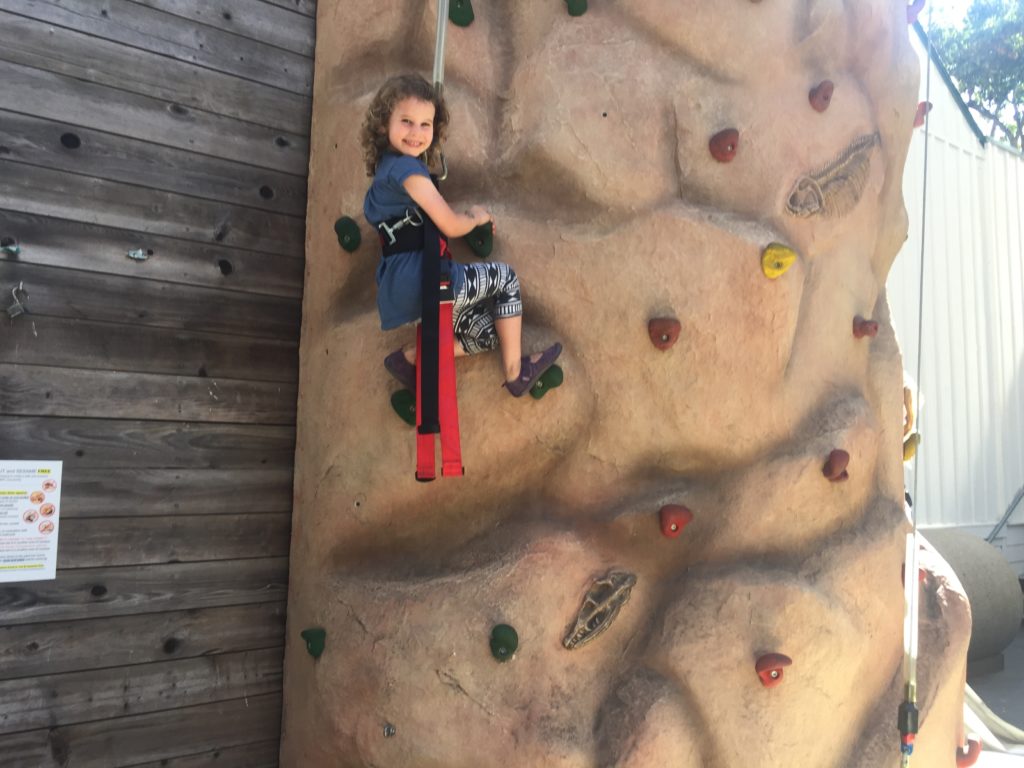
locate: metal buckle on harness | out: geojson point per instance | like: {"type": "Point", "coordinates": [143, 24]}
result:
{"type": "Point", "coordinates": [407, 221]}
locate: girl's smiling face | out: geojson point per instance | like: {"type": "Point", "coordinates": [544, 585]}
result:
{"type": "Point", "coordinates": [411, 126]}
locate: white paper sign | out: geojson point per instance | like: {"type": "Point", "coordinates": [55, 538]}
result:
{"type": "Point", "coordinates": [29, 519]}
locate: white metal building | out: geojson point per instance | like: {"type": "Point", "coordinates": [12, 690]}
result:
{"type": "Point", "coordinates": [971, 460]}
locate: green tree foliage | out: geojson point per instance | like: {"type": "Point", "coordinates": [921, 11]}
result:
{"type": "Point", "coordinates": [986, 59]}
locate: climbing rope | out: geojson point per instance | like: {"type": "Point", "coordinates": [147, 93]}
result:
{"type": "Point", "coordinates": [439, 43]}
{"type": "Point", "coordinates": [908, 712]}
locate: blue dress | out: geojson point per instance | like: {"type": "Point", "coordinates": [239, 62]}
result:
{"type": "Point", "coordinates": [399, 276]}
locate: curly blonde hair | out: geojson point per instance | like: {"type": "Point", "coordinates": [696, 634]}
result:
{"type": "Point", "coordinates": [374, 134]}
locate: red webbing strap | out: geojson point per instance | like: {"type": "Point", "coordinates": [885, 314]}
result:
{"type": "Point", "coordinates": [443, 391]}
{"type": "Point", "coordinates": [447, 402]}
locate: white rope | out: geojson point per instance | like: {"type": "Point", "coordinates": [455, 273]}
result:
{"type": "Point", "coordinates": [439, 43]}
{"type": "Point", "coordinates": [912, 589]}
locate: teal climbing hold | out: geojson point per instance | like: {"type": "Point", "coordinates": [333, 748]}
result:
{"type": "Point", "coordinates": [315, 638]}
{"type": "Point", "coordinates": [460, 12]}
{"type": "Point", "coordinates": [404, 403]}
{"type": "Point", "coordinates": [348, 233]}
{"type": "Point", "coordinates": [577, 7]}
{"type": "Point", "coordinates": [504, 642]}
{"type": "Point", "coordinates": [9, 246]}
{"type": "Point", "coordinates": [481, 240]}
{"type": "Point", "coordinates": [552, 378]}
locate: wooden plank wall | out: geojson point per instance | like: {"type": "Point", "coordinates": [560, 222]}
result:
{"type": "Point", "coordinates": [178, 128]}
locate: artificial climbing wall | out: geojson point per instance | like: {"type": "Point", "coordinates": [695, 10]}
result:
{"type": "Point", "coordinates": [153, 174]}
{"type": "Point", "coordinates": [698, 538]}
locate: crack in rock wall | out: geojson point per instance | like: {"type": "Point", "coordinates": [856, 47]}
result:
{"type": "Point", "coordinates": [697, 539]}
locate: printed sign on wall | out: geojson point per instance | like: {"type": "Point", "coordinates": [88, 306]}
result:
{"type": "Point", "coordinates": [29, 519]}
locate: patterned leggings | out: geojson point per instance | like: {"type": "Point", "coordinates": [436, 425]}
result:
{"type": "Point", "coordinates": [491, 291]}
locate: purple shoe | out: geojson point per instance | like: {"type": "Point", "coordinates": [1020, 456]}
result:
{"type": "Point", "coordinates": [530, 371]}
{"type": "Point", "coordinates": [401, 369]}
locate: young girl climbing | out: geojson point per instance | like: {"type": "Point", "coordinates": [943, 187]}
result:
{"type": "Point", "coordinates": [403, 131]}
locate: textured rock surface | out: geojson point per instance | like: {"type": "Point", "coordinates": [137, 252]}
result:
{"type": "Point", "coordinates": [590, 138]}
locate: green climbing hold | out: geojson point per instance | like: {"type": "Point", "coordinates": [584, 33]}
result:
{"type": "Point", "coordinates": [348, 233]}
{"type": "Point", "coordinates": [504, 642]}
{"type": "Point", "coordinates": [577, 7]}
{"type": "Point", "coordinates": [404, 403]}
{"type": "Point", "coordinates": [315, 638]}
{"type": "Point", "coordinates": [552, 378]}
{"type": "Point", "coordinates": [461, 13]}
{"type": "Point", "coordinates": [481, 240]}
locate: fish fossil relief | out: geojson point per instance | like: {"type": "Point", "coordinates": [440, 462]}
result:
{"type": "Point", "coordinates": [836, 187]}
{"type": "Point", "coordinates": [601, 605]}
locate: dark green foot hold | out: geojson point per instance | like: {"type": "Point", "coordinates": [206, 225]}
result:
{"type": "Point", "coordinates": [577, 7]}
{"type": "Point", "coordinates": [552, 378]}
{"type": "Point", "coordinates": [315, 638]}
{"type": "Point", "coordinates": [481, 240]}
{"type": "Point", "coordinates": [404, 403]}
{"type": "Point", "coordinates": [461, 13]}
{"type": "Point", "coordinates": [348, 233]}
{"type": "Point", "coordinates": [504, 642]}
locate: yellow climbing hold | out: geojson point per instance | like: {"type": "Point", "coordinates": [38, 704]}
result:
{"type": "Point", "coordinates": [910, 445]}
{"type": "Point", "coordinates": [776, 259]}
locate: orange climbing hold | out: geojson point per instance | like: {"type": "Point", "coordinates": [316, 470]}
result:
{"type": "Point", "coordinates": [914, 10]}
{"type": "Point", "coordinates": [664, 332]}
{"type": "Point", "coordinates": [835, 466]}
{"type": "Point", "coordinates": [922, 109]}
{"type": "Point", "coordinates": [769, 668]}
{"type": "Point", "coordinates": [862, 328]}
{"type": "Point", "coordinates": [674, 517]}
{"type": "Point", "coordinates": [723, 145]}
{"type": "Point", "coordinates": [821, 95]}
{"type": "Point", "coordinates": [972, 753]}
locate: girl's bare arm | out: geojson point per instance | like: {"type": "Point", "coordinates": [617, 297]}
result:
{"type": "Point", "coordinates": [452, 224]}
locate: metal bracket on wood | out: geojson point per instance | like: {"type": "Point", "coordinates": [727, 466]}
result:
{"type": "Point", "coordinates": [17, 306]}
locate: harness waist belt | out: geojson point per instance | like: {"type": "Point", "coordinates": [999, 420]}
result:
{"type": "Point", "coordinates": [401, 234]}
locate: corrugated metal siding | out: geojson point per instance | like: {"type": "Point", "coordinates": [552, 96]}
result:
{"type": "Point", "coordinates": [972, 380]}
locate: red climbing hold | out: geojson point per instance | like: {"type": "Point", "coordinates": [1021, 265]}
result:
{"type": "Point", "coordinates": [674, 517]}
{"type": "Point", "coordinates": [914, 10]}
{"type": "Point", "coordinates": [769, 668]}
{"type": "Point", "coordinates": [821, 95]}
{"type": "Point", "coordinates": [862, 328]}
{"type": "Point", "coordinates": [972, 753]}
{"type": "Point", "coordinates": [835, 467]}
{"type": "Point", "coordinates": [922, 109]}
{"type": "Point", "coordinates": [664, 332]}
{"type": "Point", "coordinates": [922, 574]}
{"type": "Point", "coordinates": [723, 145]}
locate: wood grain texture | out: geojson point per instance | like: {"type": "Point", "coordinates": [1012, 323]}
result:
{"type": "Point", "coordinates": [263, 754]}
{"type": "Point", "coordinates": [306, 7]}
{"type": "Point", "coordinates": [58, 146]}
{"type": "Point", "coordinates": [136, 739]}
{"type": "Point", "coordinates": [27, 42]}
{"type": "Point", "coordinates": [85, 104]}
{"type": "Point", "coordinates": [157, 492]}
{"type": "Point", "coordinates": [135, 689]}
{"type": "Point", "coordinates": [93, 593]}
{"type": "Point", "coordinates": [287, 24]}
{"type": "Point", "coordinates": [41, 340]}
{"type": "Point", "coordinates": [120, 541]}
{"type": "Point", "coordinates": [29, 390]}
{"type": "Point", "coordinates": [90, 296]}
{"type": "Point", "coordinates": [47, 192]}
{"type": "Point", "coordinates": [51, 648]}
{"type": "Point", "coordinates": [93, 248]}
{"type": "Point", "coordinates": [94, 443]}
{"type": "Point", "coordinates": [179, 37]}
